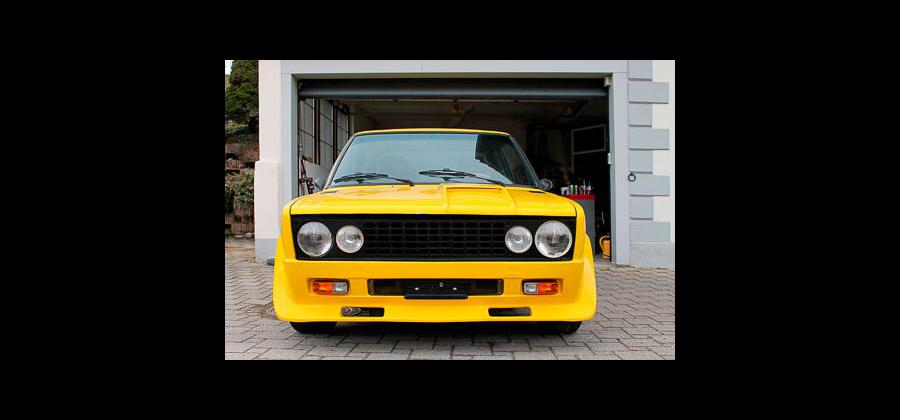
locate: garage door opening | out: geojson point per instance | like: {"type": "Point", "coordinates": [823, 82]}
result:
{"type": "Point", "coordinates": [561, 124]}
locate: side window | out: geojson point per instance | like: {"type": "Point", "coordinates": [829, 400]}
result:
{"type": "Point", "coordinates": [326, 133]}
{"type": "Point", "coordinates": [308, 129]}
{"type": "Point", "coordinates": [343, 130]}
{"type": "Point", "coordinates": [323, 130]}
{"type": "Point", "coordinates": [499, 154]}
{"type": "Point", "coordinates": [517, 168]}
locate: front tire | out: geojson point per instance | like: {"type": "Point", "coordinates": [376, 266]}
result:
{"type": "Point", "coordinates": [313, 327]}
{"type": "Point", "coordinates": [562, 327]}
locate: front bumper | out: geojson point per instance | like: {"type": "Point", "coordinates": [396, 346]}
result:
{"type": "Point", "coordinates": [294, 301]}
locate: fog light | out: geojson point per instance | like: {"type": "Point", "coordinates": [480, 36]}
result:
{"type": "Point", "coordinates": [543, 287]}
{"type": "Point", "coordinates": [330, 287]}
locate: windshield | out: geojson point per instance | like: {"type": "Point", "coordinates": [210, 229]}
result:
{"type": "Point", "coordinates": [443, 157]}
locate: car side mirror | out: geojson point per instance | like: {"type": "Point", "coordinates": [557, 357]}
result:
{"type": "Point", "coordinates": [546, 184]}
{"type": "Point", "coordinates": [318, 183]}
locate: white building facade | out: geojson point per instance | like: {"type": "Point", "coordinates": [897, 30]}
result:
{"type": "Point", "coordinates": [641, 136]}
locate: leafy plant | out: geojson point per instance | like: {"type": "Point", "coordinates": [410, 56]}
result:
{"type": "Point", "coordinates": [241, 186]}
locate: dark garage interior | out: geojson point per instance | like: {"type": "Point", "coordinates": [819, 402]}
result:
{"type": "Point", "coordinates": [562, 124]}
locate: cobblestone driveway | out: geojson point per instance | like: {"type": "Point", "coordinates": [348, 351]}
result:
{"type": "Point", "coordinates": [636, 320]}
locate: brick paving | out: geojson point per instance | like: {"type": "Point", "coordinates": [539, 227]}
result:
{"type": "Point", "coordinates": [636, 321]}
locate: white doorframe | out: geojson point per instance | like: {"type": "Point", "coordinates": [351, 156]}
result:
{"type": "Point", "coordinates": [618, 169]}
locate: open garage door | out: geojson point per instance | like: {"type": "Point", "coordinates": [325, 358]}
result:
{"type": "Point", "coordinates": [548, 89]}
{"type": "Point", "coordinates": [560, 123]}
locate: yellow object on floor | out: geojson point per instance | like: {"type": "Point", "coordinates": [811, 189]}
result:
{"type": "Point", "coordinates": [604, 246]}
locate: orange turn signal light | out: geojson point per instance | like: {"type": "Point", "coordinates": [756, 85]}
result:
{"type": "Point", "coordinates": [330, 287]}
{"type": "Point", "coordinates": [542, 287]}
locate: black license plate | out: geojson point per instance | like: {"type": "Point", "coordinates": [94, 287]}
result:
{"type": "Point", "coordinates": [436, 289]}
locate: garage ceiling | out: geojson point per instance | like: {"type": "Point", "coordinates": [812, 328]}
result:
{"type": "Point", "coordinates": [545, 89]}
{"type": "Point", "coordinates": [455, 102]}
{"type": "Point", "coordinates": [514, 110]}
{"type": "Point", "coordinates": [438, 113]}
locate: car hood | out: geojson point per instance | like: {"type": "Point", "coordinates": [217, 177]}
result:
{"type": "Point", "coordinates": [486, 199]}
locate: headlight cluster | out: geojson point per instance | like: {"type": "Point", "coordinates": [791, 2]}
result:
{"type": "Point", "coordinates": [552, 239]}
{"type": "Point", "coordinates": [314, 239]}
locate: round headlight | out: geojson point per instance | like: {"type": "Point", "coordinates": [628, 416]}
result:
{"type": "Point", "coordinates": [553, 239]}
{"type": "Point", "coordinates": [349, 239]}
{"type": "Point", "coordinates": [518, 239]}
{"type": "Point", "coordinates": [314, 239]}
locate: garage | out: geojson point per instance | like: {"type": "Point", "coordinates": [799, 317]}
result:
{"type": "Point", "coordinates": [604, 123]}
{"type": "Point", "coordinates": [561, 124]}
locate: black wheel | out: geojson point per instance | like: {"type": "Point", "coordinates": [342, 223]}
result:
{"type": "Point", "coordinates": [561, 327]}
{"type": "Point", "coordinates": [313, 327]}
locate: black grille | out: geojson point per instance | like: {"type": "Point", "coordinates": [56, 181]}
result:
{"type": "Point", "coordinates": [431, 237]}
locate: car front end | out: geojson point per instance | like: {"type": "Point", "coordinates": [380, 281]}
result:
{"type": "Point", "coordinates": [438, 252]}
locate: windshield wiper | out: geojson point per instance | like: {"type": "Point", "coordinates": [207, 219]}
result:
{"type": "Point", "coordinates": [362, 176]}
{"type": "Point", "coordinates": [448, 173]}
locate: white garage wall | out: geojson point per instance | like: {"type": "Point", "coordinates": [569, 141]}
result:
{"type": "Point", "coordinates": [664, 160]}
{"type": "Point", "coordinates": [267, 182]}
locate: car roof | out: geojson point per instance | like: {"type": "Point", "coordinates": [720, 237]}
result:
{"type": "Point", "coordinates": [430, 130]}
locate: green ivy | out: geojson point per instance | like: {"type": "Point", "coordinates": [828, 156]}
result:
{"type": "Point", "coordinates": [241, 187]}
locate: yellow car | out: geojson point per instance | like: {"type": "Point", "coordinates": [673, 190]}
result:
{"type": "Point", "coordinates": [433, 225]}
